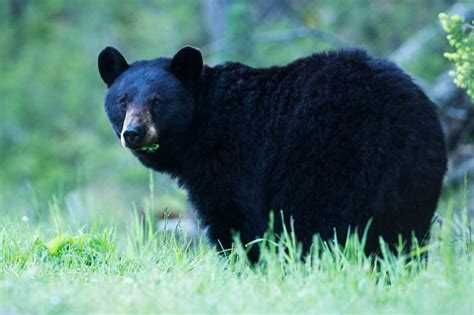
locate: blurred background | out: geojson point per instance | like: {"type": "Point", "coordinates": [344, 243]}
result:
{"type": "Point", "coordinates": [56, 145]}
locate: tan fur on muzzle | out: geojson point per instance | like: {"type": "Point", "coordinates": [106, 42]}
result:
{"type": "Point", "coordinates": [141, 117]}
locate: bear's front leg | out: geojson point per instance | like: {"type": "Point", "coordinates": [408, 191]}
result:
{"type": "Point", "coordinates": [222, 237]}
{"type": "Point", "coordinates": [226, 215]}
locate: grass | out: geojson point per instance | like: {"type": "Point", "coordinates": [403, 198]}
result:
{"type": "Point", "coordinates": [57, 265]}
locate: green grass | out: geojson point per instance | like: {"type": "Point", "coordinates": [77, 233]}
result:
{"type": "Point", "coordinates": [57, 265]}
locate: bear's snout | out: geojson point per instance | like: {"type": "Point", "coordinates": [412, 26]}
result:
{"type": "Point", "coordinates": [138, 129]}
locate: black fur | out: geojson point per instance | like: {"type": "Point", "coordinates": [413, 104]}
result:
{"type": "Point", "coordinates": [333, 140]}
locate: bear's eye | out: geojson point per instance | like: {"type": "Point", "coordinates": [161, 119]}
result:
{"type": "Point", "coordinates": [157, 100]}
{"type": "Point", "coordinates": [123, 101]}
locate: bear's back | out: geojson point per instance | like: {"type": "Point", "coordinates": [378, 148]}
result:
{"type": "Point", "coordinates": [333, 96]}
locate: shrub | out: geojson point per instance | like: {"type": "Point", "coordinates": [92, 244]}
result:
{"type": "Point", "coordinates": [461, 38]}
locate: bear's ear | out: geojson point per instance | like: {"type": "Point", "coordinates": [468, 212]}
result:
{"type": "Point", "coordinates": [111, 65]}
{"type": "Point", "coordinates": [187, 64]}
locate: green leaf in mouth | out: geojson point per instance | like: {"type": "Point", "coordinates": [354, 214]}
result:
{"type": "Point", "coordinates": [150, 148]}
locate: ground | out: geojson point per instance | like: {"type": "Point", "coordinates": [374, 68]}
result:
{"type": "Point", "coordinates": [56, 265]}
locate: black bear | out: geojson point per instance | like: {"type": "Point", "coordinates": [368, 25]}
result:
{"type": "Point", "coordinates": [332, 140]}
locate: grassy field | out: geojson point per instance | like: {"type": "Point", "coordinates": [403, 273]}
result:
{"type": "Point", "coordinates": [57, 265]}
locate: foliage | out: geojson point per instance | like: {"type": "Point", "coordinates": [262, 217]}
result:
{"type": "Point", "coordinates": [148, 270]}
{"type": "Point", "coordinates": [461, 38]}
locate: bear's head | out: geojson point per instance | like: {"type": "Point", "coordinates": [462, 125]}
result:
{"type": "Point", "coordinates": [150, 102]}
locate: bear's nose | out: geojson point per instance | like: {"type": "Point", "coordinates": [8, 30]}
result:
{"type": "Point", "coordinates": [133, 136]}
